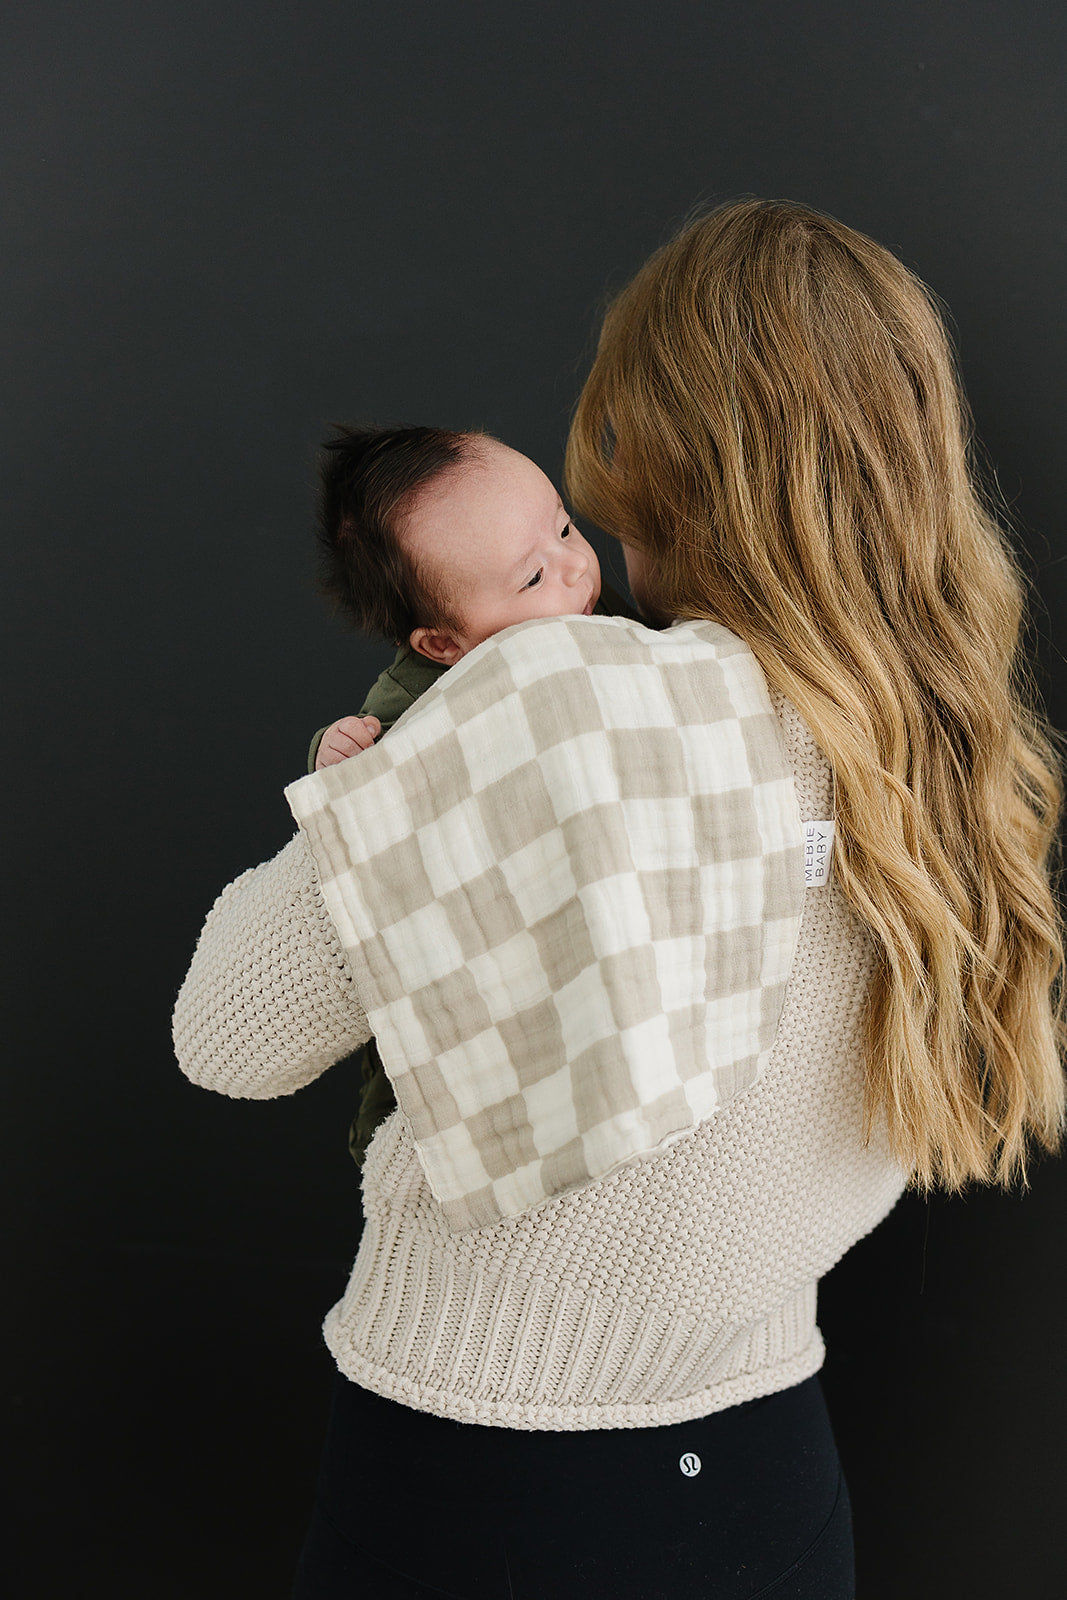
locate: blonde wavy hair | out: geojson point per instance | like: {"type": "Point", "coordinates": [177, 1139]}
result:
{"type": "Point", "coordinates": [773, 419]}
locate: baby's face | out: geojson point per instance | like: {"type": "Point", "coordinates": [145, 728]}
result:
{"type": "Point", "coordinates": [496, 533]}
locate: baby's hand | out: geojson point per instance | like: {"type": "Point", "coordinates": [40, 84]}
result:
{"type": "Point", "coordinates": [346, 738]}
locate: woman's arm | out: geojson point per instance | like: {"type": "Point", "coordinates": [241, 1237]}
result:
{"type": "Point", "coordinates": [268, 1002]}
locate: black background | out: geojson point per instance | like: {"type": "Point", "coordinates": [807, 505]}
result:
{"type": "Point", "coordinates": [225, 227]}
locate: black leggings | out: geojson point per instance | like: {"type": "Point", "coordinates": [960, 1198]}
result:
{"type": "Point", "coordinates": [747, 1502]}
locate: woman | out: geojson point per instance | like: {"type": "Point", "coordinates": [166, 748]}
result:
{"type": "Point", "coordinates": [773, 429]}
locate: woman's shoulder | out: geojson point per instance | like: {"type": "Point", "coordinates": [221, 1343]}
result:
{"type": "Point", "coordinates": [613, 672]}
{"type": "Point", "coordinates": [599, 637]}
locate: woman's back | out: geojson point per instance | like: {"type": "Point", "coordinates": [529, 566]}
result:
{"type": "Point", "coordinates": [677, 1286]}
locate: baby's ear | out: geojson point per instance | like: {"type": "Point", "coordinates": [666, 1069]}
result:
{"type": "Point", "coordinates": [438, 647]}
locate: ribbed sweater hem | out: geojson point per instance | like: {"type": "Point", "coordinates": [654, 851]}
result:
{"type": "Point", "coordinates": [619, 1352]}
{"type": "Point", "coordinates": [497, 1414]}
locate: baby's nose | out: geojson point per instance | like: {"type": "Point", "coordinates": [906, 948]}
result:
{"type": "Point", "coordinates": [577, 564]}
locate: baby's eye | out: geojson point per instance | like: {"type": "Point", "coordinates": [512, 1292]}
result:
{"type": "Point", "coordinates": [535, 580]}
{"type": "Point", "coordinates": [568, 529]}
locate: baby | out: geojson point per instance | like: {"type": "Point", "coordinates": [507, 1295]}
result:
{"type": "Point", "coordinates": [439, 540]}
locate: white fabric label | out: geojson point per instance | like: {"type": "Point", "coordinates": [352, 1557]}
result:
{"type": "Point", "coordinates": [818, 847]}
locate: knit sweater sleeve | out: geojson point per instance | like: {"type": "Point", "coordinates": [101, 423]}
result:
{"type": "Point", "coordinates": [269, 1001]}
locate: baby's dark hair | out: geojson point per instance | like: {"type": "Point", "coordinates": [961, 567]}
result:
{"type": "Point", "coordinates": [368, 478]}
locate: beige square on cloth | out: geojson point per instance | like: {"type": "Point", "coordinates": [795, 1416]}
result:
{"type": "Point", "coordinates": [569, 883]}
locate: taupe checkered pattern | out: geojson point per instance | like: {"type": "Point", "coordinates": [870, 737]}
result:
{"type": "Point", "coordinates": [569, 883]}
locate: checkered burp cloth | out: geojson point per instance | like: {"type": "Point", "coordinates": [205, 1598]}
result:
{"type": "Point", "coordinates": [569, 885]}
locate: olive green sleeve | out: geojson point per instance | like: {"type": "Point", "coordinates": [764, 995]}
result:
{"type": "Point", "coordinates": [313, 748]}
{"type": "Point", "coordinates": [392, 692]}
{"type": "Point", "coordinates": [386, 699]}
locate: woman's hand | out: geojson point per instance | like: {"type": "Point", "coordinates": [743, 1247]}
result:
{"type": "Point", "coordinates": [346, 738]}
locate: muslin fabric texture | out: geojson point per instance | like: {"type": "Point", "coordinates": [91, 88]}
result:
{"type": "Point", "coordinates": [673, 1287]}
{"type": "Point", "coordinates": [569, 887]}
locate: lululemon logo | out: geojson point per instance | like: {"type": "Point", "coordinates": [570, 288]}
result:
{"type": "Point", "coordinates": [690, 1464]}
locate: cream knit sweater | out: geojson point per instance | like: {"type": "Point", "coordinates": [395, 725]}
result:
{"type": "Point", "coordinates": [678, 1286]}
